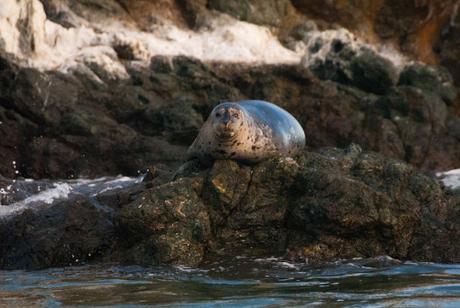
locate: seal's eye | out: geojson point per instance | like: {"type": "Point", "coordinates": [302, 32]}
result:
{"type": "Point", "coordinates": [236, 115]}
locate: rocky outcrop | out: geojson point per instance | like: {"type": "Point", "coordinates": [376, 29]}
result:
{"type": "Point", "coordinates": [100, 87]}
{"type": "Point", "coordinates": [87, 123]}
{"type": "Point", "coordinates": [322, 206]}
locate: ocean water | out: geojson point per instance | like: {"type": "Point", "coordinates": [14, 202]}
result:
{"type": "Point", "coordinates": [237, 281]}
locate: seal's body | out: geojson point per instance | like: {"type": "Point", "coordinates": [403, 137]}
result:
{"type": "Point", "coordinates": [248, 131]}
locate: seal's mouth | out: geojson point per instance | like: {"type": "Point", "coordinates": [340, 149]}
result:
{"type": "Point", "coordinates": [225, 134]}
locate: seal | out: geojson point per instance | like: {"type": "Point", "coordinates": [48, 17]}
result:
{"type": "Point", "coordinates": [249, 131]}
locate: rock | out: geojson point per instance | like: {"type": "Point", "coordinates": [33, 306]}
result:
{"type": "Point", "coordinates": [416, 117]}
{"type": "Point", "coordinates": [327, 205]}
{"type": "Point", "coordinates": [65, 125]}
{"type": "Point", "coordinates": [60, 126]}
{"type": "Point", "coordinates": [362, 68]}
{"type": "Point", "coordinates": [46, 224]}
{"type": "Point", "coordinates": [322, 206]}
{"type": "Point", "coordinates": [165, 225]}
{"type": "Point", "coordinates": [261, 12]}
{"type": "Point", "coordinates": [372, 73]}
{"type": "Point", "coordinates": [431, 79]}
{"type": "Point", "coordinates": [449, 51]}
{"type": "Point", "coordinates": [70, 232]}
{"type": "Point", "coordinates": [412, 26]}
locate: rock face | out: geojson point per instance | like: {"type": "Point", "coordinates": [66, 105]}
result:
{"type": "Point", "coordinates": [82, 124]}
{"type": "Point", "coordinates": [413, 26]}
{"type": "Point", "coordinates": [94, 88]}
{"type": "Point", "coordinates": [101, 105]}
{"type": "Point", "coordinates": [325, 205]}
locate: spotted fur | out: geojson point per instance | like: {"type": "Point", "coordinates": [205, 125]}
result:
{"type": "Point", "coordinates": [260, 130]}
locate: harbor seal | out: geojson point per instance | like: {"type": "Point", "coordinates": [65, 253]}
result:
{"type": "Point", "coordinates": [249, 131]}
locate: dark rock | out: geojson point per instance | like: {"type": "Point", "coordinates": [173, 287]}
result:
{"type": "Point", "coordinates": [166, 224]}
{"type": "Point", "coordinates": [67, 233]}
{"type": "Point", "coordinates": [39, 228]}
{"type": "Point", "coordinates": [58, 125]}
{"type": "Point", "coordinates": [364, 68]}
{"type": "Point", "coordinates": [430, 79]}
{"type": "Point", "coordinates": [324, 206]}
{"type": "Point", "coordinates": [413, 26]}
{"type": "Point", "coordinates": [372, 73]}
{"type": "Point", "coordinates": [449, 52]}
{"type": "Point", "coordinates": [194, 12]}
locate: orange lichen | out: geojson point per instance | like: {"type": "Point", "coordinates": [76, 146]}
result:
{"type": "Point", "coordinates": [428, 34]}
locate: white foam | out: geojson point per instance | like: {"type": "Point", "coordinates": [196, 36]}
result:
{"type": "Point", "coordinates": [450, 178]}
{"type": "Point", "coordinates": [60, 190]}
{"type": "Point", "coordinates": [63, 189]}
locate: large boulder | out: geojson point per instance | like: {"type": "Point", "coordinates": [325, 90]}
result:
{"type": "Point", "coordinates": [323, 206]}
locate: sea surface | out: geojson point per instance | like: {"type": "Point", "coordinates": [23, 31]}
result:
{"type": "Point", "coordinates": [238, 281]}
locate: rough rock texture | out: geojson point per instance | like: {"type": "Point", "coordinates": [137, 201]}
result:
{"type": "Point", "coordinates": [449, 53]}
{"type": "Point", "coordinates": [262, 12]}
{"type": "Point", "coordinates": [69, 231]}
{"type": "Point", "coordinates": [364, 68]}
{"type": "Point", "coordinates": [88, 124]}
{"type": "Point", "coordinates": [101, 105]}
{"type": "Point", "coordinates": [325, 205]}
{"type": "Point", "coordinates": [68, 125]}
{"type": "Point", "coordinates": [112, 113]}
{"type": "Point", "coordinates": [413, 26]}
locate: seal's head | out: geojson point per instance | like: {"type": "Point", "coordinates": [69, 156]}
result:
{"type": "Point", "coordinates": [227, 119]}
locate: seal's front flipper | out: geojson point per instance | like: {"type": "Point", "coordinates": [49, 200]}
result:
{"type": "Point", "coordinates": [187, 169]}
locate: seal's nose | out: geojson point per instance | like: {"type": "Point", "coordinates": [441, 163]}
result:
{"type": "Point", "coordinates": [226, 120]}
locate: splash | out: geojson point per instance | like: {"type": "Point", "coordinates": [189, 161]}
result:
{"type": "Point", "coordinates": [31, 194]}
